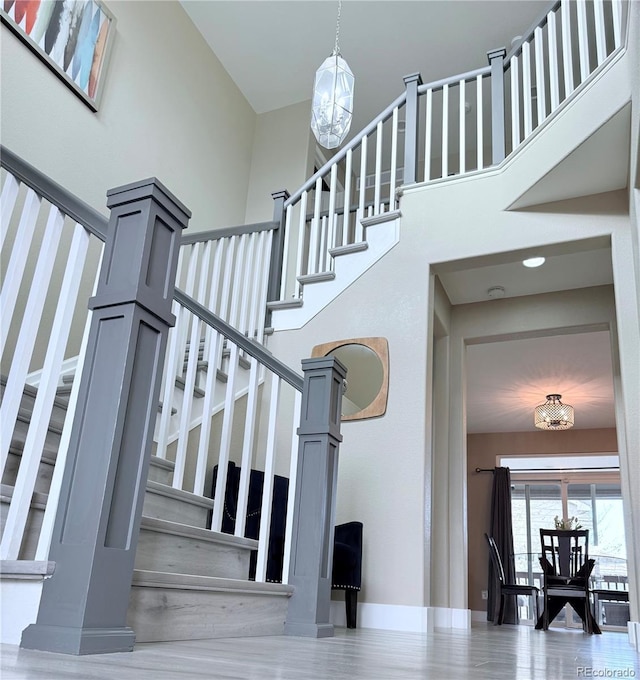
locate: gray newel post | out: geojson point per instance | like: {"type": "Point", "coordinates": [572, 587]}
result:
{"type": "Point", "coordinates": [83, 609]}
{"type": "Point", "coordinates": [277, 248]}
{"type": "Point", "coordinates": [412, 82]}
{"type": "Point", "coordinates": [496, 61]}
{"type": "Point", "coordinates": [314, 507]}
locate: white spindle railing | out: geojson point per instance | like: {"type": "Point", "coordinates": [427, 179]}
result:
{"type": "Point", "coordinates": [34, 342]}
{"type": "Point", "coordinates": [558, 55]}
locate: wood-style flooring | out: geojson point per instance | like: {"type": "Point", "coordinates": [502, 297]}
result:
{"type": "Point", "coordinates": [485, 651]}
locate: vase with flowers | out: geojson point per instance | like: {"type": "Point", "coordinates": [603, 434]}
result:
{"type": "Point", "coordinates": [567, 523]}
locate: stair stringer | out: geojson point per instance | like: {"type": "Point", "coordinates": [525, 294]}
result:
{"type": "Point", "coordinates": [382, 233]}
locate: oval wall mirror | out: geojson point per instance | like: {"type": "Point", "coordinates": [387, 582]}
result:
{"type": "Point", "coordinates": [367, 364]}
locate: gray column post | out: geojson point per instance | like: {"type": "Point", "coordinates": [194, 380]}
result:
{"type": "Point", "coordinates": [83, 608]}
{"type": "Point", "coordinates": [314, 508]}
{"type": "Point", "coordinates": [412, 82]}
{"type": "Point", "coordinates": [496, 61]}
{"type": "Point", "coordinates": [277, 248]}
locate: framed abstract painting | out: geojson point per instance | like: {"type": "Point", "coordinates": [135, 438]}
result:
{"type": "Point", "coordinates": [72, 37]}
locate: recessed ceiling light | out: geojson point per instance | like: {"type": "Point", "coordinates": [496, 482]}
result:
{"type": "Point", "coordinates": [533, 262]}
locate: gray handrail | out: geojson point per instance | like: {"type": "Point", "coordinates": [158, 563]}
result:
{"type": "Point", "coordinates": [226, 232]}
{"type": "Point", "coordinates": [69, 204]}
{"type": "Point", "coordinates": [343, 152]}
{"type": "Point", "coordinates": [469, 75]}
{"type": "Point", "coordinates": [540, 21]}
{"type": "Point", "coordinates": [255, 350]}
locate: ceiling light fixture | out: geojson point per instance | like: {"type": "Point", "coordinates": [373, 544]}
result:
{"type": "Point", "coordinates": [533, 262]}
{"type": "Point", "coordinates": [553, 414]}
{"type": "Point", "coordinates": [332, 105]}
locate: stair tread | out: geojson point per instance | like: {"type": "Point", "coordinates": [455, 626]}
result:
{"type": "Point", "coordinates": [197, 392]}
{"type": "Point", "coordinates": [189, 531]}
{"type": "Point", "coordinates": [165, 490]}
{"type": "Point", "coordinates": [32, 392]}
{"type": "Point", "coordinates": [163, 579]}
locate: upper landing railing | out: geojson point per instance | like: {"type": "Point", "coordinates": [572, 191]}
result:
{"type": "Point", "coordinates": [450, 127]}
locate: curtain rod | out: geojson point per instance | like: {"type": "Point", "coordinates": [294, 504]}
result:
{"type": "Point", "coordinates": [485, 469]}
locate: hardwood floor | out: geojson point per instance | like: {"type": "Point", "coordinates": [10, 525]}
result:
{"type": "Point", "coordinates": [484, 652]}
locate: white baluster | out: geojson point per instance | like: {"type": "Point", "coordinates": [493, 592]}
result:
{"type": "Point", "coordinates": [267, 489]}
{"type": "Point", "coordinates": [48, 519]}
{"type": "Point", "coordinates": [291, 497]}
{"type": "Point", "coordinates": [8, 198]}
{"type": "Point", "coordinates": [302, 232]}
{"type": "Point", "coordinates": [29, 330]}
{"type": "Point", "coordinates": [616, 9]}
{"type": "Point", "coordinates": [263, 291]}
{"type": "Point", "coordinates": [322, 250]}
{"type": "Point", "coordinates": [256, 291]}
{"type": "Point", "coordinates": [583, 39]}
{"type": "Point", "coordinates": [540, 84]}
{"type": "Point", "coordinates": [227, 276]}
{"type": "Point", "coordinates": [17, 263]}
{"type": "Point", "coordinates": [554, 85]}
{"type": "Point", "coordinates": [333, 188]}
{"type": "Point", "coordinates": [225, 437]}
{"type": "Point", "coordinates": [288, 236]}
{"type": "Point", "coordinates": [363, 190]}
{"type": "Point", "coordinates": [247, 287]}
{"type": "Point", "coordinates": [347, 198]}
{"type": "Point", "coordinates": [213, 343]}
{"type": "Point", "coordinates": [427, 135]}
{"type": "Point", "coordinates": [394, 159]}
{"type": "Point", "coordinates": [479, 122]}
{"type": "Point", "coordinates": [43, 405]}
{"type": "Point", "coordinates": [462, 141]}
{"type": "Point", "coordinates": [190, 381]}
{"type": "Point", "coordinates": [515, 103]}
{"type": "Point", "coordinates": [567, 58]}
{"type": "Point", "coordinates": [601, 41]}
{"type": "Point", "coordinates": [526, 89]}
{"type": "Point", "coordinates": [314, 234]}
{"type": "Point", "coordinates": [378, 169]}
{"type": "Point", "coordinates": [445, 131]}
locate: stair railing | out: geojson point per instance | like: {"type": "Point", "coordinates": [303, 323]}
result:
{"type": "Point", "coordinates": [452, 127]}
{"type": "Point", "coordinates": [53, 245]}
{"type": "Point", "coordinates": [228, 270]}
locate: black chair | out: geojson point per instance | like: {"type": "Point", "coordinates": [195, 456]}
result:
{"type": "Point", "coordinates": [508, 588]}
{"type": "Point", "coordinates": [347, 566]}
{"type": "Point", "coordinates": [347, 547]}
{"type": "Point", "coordinates": [566, 571]}
{"type": "Point", "coordinates": [614, 595]}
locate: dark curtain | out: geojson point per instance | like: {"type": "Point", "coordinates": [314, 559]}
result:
{"type": "Point", "coordinates": [501, 528]}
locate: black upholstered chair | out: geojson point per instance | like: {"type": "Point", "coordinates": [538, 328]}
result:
{"type": "Point", "coordinates": [347, 551]}
{"type": "Point", "coordinates": [347, 566]}
{"type": "Point", "coordinates": [508, 588]}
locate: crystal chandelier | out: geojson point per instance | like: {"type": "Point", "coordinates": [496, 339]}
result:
{"type": "Point", "coordinates": [332, 105]}
{"type": "Point", "coordinates": [553, 414]}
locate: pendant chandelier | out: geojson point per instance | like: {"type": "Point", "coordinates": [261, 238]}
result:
{"type": "Point", "coordinates": [332, 105]}
{"type": "Point", "coordinates": [553, 414]}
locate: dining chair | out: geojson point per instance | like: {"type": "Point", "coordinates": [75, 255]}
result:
{"type": "Point", "coordinates": [566, 570]}
{"type": "Point", "coordinates": [508, 588]}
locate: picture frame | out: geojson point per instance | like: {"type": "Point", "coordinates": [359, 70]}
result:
{"type": "Point", "coordinates": [72, 37]}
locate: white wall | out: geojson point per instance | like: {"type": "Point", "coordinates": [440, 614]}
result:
{"type": "Point", "coordinates": [282, 157]}
{"type": "Point", "coordinates": [169, 110]}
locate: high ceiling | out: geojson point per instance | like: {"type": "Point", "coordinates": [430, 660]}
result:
{"type": "Point", "coordinates": [271, 49]}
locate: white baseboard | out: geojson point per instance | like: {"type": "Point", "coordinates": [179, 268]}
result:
{"type": "Point", "coordinates": [633, 629]}
{"type": "Point", "coordinates": [402, 617]}
{"type": "Point", "coordinates": [20, 603]}
{"type": "Point", "coordinates": [478, 616]}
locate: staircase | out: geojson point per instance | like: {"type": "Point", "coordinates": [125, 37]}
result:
{"type": "Point", "coordinates": [189, 582]}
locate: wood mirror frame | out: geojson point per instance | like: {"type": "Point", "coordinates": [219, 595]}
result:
{"type": "Point", "coordinates": [380, 347]}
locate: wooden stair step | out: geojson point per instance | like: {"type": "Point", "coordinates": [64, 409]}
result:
{"type": "Point", "coordinates": [179, 548]}
{"type": "Point", "coordinates": [166, 606]}
{"type": "Point", "coordinates": [164, 502]}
